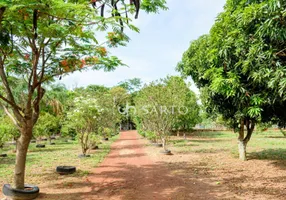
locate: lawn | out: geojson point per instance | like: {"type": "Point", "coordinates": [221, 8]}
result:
{"type": "Point", "coordinates": [41, 163]}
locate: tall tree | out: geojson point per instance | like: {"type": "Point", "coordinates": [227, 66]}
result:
{"type": "Point", "coordinates": [42, 40]}
{"type": "Point", "coordinates": [239, 65]}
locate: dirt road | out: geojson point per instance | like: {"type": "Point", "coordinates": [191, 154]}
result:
{"type": "Point", "coordinates": [128, 173]}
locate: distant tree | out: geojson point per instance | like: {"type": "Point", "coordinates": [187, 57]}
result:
{"type": "Point", "coordinates": [7, 130]}
{"type": "Point", "coordinates": [47, 126]}
{"type": "Point", "coordinates": [131, 85]}
{"type": "Point", "coordinates": [187, 121]}
{"type": "Point", "coordinates": [160, 104]}
{"type": "Point", "coordinates": [84, 118]}
{"type": "Point", "coordinates": [96, 89]}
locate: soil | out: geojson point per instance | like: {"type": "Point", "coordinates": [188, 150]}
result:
{"type": "Point", "coordinates": [135, 170]}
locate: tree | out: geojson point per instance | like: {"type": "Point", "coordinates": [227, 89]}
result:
{"type": "Point", "coordinates": [84, 118]}
{"type": "Point", "coordinates": [186, 121]}
{"type": "Point", "coordinates": [159, 105]}
{"type": "Point", "coordinates": [7, 130]}
{"type": "Point", "coordinates": [131, 85]}
{"type": "Point", "coordinates": [47, 125]}
{"type": "Point", "coordinates": [237, 65]}
{"type": "Point", "coordinates": [42, 40]}
{"type": "Point", "coordinates": [111, 103]}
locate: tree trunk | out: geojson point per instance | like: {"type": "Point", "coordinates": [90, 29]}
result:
{"type": "Point", "coordinates": [283, 132]}
{"type": "Point", "coordinates": [164, 143]}
{"type": "Point", "coordinates": [21, 155]}
{"type": "Point", "coordinates": [242, 150]}
{"type": "Point", "coordinates": [242, 141]}
{"type": "Point", "coordinates": [178, 133]}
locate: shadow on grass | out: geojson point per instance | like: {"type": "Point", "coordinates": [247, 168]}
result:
{"type": "Point", "coordinates": [10, 160]}
{"type": "Point", "coordinates": [278, 137]}
{"type": "Point", "coordinates": [208, 134]}
{"type": "Point", "coordinates": [269, 154]}
{"type": "Point", "coordinates": [208, 141]}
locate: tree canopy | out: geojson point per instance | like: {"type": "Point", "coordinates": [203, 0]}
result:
{"type": "Point", "coordinates": [241, 63]}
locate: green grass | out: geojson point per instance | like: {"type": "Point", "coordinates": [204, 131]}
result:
{"type": "Point", "coordinates": [42, 162]}
{"type": "Point", "coordinates": [266, 145]}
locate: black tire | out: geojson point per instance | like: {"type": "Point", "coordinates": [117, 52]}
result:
{"type": "Point", "coordinates": [33, 141]}
{"type": "Point", "coordinates": [157, 145]}
{"type": "Point", "coordinates": [40, 146]}
{"type": "Point", "coordinates": [45, 139]}
{"type": "Point", "coordinates": [64, 170]}
{"type": "Point", "coordinates": [94, 148]}
{"type": "Point", "coordinates": [4, 155]}
{"type": "Point", "coordinates": [53, 137]}
{"type": "Point", "coordinates": [166, 152]}
{"type": "Point", "coordinates": [53, 143]}
{"type": "Point", "coordinates": [83, 156]}
{"type": "Point", "coordinates": [105, 139]}
{"type": "Point", "coordinates": [30, 192]}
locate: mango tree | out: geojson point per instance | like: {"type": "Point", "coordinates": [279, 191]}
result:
{"type": "Point", "coordinates": [239, 65]}
{"type": "Point", "coordinates": [43, 40]}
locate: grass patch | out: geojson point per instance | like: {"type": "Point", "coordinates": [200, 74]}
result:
{"type": "Point", "coordinates": [266, 145]}
{"type": "Point", "coordinates": [41, 163]}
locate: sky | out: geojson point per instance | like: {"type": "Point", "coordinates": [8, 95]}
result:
{"type": "Point", "coordinates": [155, 51]}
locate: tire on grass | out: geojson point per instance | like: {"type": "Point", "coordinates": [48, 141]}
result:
{"type": "Point", "coordinates": [40, 146]}
{"type": "Point", "coordinates": [166, 152]}
{"type": "Point", "coordinates": [64, 170]}
{"type": "Point", "coordinates": [94, 148]}
{"type": "Point", "coordinates": [83, 156]}
{"type": "Point", "coordinates": [30, 192]}
{"type": "Point", "coordinates": [157, 145]}
{"type": "Point", "coordinates": [4, 155]}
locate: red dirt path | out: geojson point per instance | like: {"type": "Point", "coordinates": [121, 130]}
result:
{"type": "Point", "coordinates": [128, 173]}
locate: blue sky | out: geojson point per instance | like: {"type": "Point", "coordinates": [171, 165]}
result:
{"type": "Point", "coordinates": [156, 50]}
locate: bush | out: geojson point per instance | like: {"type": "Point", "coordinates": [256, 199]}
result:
{"type": "Point", "coordinates": [47, 125]}
{"type": "Point", "coordinates": [7, 130]}
{"type": "Point", "coordinates": [106, 133]}
{"type": "Point", "coordinates": [151, 136]}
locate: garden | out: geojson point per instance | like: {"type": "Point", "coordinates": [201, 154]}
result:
{"type": "Point", "coordinates": [76, 143]}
